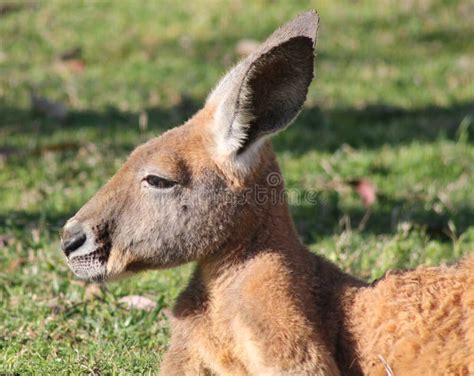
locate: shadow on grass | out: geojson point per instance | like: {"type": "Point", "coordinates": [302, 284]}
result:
{"type": "Point", "coordinates": [316, 128]}
{"type": "Point", "coordinates": [326, 217]}
{"type": "Point", "coordinates": [372, 126]}
{"type": "Point", "coordinates": [110, 120]}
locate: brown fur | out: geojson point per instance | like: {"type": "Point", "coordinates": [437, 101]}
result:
{"type": "Point", "coordinates": [259, 302]}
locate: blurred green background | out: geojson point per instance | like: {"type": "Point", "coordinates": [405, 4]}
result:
{"type": "Point", "coordinates": [391, 110]}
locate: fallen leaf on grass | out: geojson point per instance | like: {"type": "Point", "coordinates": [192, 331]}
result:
{"type": "Point", "coordinates": [71, 60]}
{"type": "Point", "coordinates": [66, 67]}
{"type": "Point", "coordinates": [76, 65]}
{"type": "Point", "coordinates": [138, 302]}
{"type": "Point", "coordinates": [367, 191]}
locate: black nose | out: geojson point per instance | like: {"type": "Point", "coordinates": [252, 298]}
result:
{"type": "Point", "coordinates": [72, 239]}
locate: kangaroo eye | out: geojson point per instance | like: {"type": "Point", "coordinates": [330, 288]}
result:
{"type": "Point", "coordinates": [159, 182]}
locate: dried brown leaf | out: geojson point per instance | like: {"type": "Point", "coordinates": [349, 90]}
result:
{"type": "Point", "coordinates": [138, 302]}
{"type": "Point", "coordinates": [367, 191]}
{"type": "Point", "coordinates": [76, 65]}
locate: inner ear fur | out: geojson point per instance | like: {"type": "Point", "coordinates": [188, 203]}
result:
{"type": "Point", "coordinates": [266, 91]}
{"type": "Point", "coordinates": [275, 88]}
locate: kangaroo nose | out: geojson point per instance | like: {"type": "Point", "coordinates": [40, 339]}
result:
{"type": "Point", "coordinates": [72, 238]}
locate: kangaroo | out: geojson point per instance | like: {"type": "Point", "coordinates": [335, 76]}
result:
{"type": "Point", "coordinates": [259, 302]}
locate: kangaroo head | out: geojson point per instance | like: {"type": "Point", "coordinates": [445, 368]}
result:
{"type": "Point", "coordinates": [197, 189]}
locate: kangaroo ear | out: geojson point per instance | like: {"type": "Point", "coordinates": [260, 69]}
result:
{"type": "Point", "coordinates": [265, 92]}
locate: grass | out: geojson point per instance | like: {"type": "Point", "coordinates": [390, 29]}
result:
{"type": "Point", "coordinates": [393, 102]}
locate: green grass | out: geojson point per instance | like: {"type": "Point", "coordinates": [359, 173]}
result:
{"type": "Point", "coordinates": [393, 101]}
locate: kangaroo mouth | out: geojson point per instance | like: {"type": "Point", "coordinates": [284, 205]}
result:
{"type": "Point", "coordinates": [90, 267]}
{"type": "Point", "coordinates": [89, 261]}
